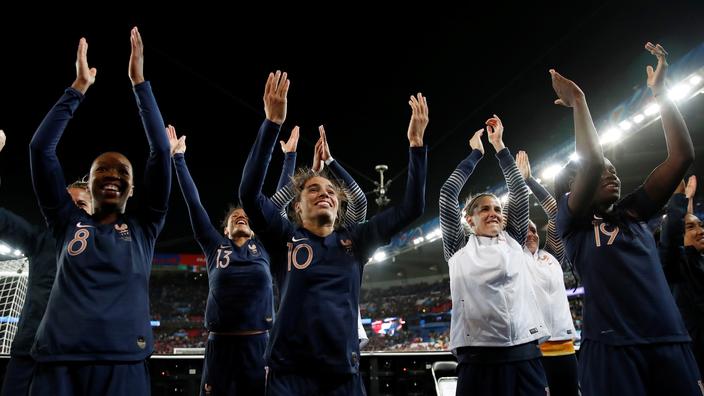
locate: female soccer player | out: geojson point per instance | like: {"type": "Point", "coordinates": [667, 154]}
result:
{"type": "Point", "coordinates": [314, 346]}
{"type": "Point", "coordinates": [96, 334]}
{"type": "Point", "coordinates": [559, 358]}
{"type": "Point", "coordinates": [496, 324]}
{"type": "Point", "coordinates": [681, 248]}
{"type": "Point", "coordinates": [634, 340]}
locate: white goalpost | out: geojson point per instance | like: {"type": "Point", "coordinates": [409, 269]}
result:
{"type": "Point", "coordinates": [13, 288]}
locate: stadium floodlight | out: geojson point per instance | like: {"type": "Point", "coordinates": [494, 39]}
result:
{"type": "Point", "coordinates": [610, 136]}
{"type": "Point", "coordinates": [17, 253]}
{"type": "Point", "coordinates": [551, 171]}
{"type": "Point", "coordinates": [679, 91]}
{"type": "Point", "coordinates": [638, 118]}
{"type": "Point", "coordinates": [379, 256]}
{"type": "Point", "coordinates": [504, 199]}
{"type": "Point", "coordinates": [418, 241]}
{"type": "Point", "coordinates": [4, 249]}
{"type": "Point", "coordinates": [695, 80]}
{"type": "Point", "coordinates": [625, 125]}
{"type": "Point", "coordinates": [573, 157]}
{"type": "Point", "coordinates": [653, 108]}
{"type": "Point", "coordinates": [434, 234]}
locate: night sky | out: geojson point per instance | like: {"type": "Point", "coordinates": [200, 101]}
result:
{"type": "Point", "coordinates": [351, 70]}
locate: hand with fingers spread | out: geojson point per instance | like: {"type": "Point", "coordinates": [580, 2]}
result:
{"type": "Point", "coordinates": [419, 120]}
{"type": "Point", "coordinates": [291, 145]}
{"type": "Point", "coordinates": [178, 145]}
{"type": "Point", "coordinates": [475, 142]}
{"type": "Point", "coordinates": [495, 132]}
{"type": "Point", "coordinates": [568, 93]}
{"type": "Point", "coordinates": [656, 78]}
{"type": "Point", "coordinates": [85, 76]}
{"type": "Point", "coordinates": [523, 164]}
{"type": "Point", "coordinates": [136, 70]}
{"type": "Point", "coordinates": [275, 97]}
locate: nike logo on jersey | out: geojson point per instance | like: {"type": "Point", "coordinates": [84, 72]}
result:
{"type": "Point", "coordinates": [79, 225]}
{"type": "Point", "coordinates": [224, 247]}
{"type": "Point", "coordinates": [299, 239]}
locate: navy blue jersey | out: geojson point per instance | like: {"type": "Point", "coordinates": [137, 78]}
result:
{"type": "Point", "coordinates": [319, 278]}
{"type": "Point", "coordinates": [99, 305]}
{"type": "Point", "coordinates": [626, 298]}
{"type": "Point", "coordinates": [684, 268]}
{"type": "Point", "coordinates": [240, 293]}
{"type": "Point", "coordinates": [39, 246]}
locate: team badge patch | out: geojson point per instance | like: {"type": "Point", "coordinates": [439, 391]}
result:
{"type": "Point", "coordinates": [253, 249]}
{"type": "Point", "coordinates": [347, 245]}
{"type": "Point", "coordinates": [124, 232]}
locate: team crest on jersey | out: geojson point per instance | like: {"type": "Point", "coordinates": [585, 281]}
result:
{"type": "Point", "coordinates": [253, 249]}
{"type": "Point", "coordinates": [347, 245]}
{"type": "Point", "coordinates": [124, 232]}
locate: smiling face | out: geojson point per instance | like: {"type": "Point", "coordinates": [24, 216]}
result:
{"type": "Point", "coordinates": [693, 232]}
{"type": "Point", "coordinates": [110, 182]}
{"type": "Point", "coordinates": [532, 239]}
{"type": "Point", "coordinates": [81, 197]}
{"type": "Point", "coordinates": [485, 216]}
{"type": "Point", "coordinates": [238, 224]}
{"type": "Point", "coordinates": [318, 201]}
{"type": "Point", "coordinates": [609, 189]}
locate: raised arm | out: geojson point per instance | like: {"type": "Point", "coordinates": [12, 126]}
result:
{"type": "Point", "coordinates": [453, 234]}
{"type": "Point", "coordinates": [284, 190]}
{"type": "Point", "coordinates": [157, 173]}
{"type": "Point", "coordinates": [553, 243]}
{"type": "Point", "coordinates": [380, 228]}
{"type": "Point", "coordinates": [671, 247]}
{"type": "Point", "coordinates": [680, 152]}
{"type": "Point", "coordinates": [357, 204]}
{"type": "Point", "coordinates": [47, 175]}
{"type": "Point", "coordinates": [690, 192]}
{"type": "Point", "coordinates": [588, 148]}
{"type": "Point", "coordinates": [263, 214]}
{"type": "Point", "coordinates": [206, 235]}
{"type": "Point", "coordinates": [518, 208]}
{"type": "Point", "coordinates": [289, 148]}
{"type": "Point", "coordinates": [14, 229]}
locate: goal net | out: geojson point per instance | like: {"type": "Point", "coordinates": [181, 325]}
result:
{"type": "Point", "coordinates": [13, 287]}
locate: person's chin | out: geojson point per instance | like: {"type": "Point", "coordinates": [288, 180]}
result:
{"type": "Point", "coordinates": [700, 247]}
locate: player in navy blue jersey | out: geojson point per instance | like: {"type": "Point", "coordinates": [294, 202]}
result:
{"type": "Point", "coordinates": [559, 356]}
{"type": "Point", "coordinates": [240, 286]}
{"type": "Point", "coordinates": [239, 310]}
{"type": "Point", "coordinates": [634, 339]}
{"type": "Point", "coordinates": [39, 247]}
{"type": "Point", "coordinates": [681, 248]}
{"type": "Point", "coordinates": [96, 335]}
{"type": "Point", "coordinates": [496, 324]}
{"type": "Point", "coordinates": [314, 346]}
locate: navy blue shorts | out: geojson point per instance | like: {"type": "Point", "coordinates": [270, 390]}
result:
{"type": "Point", "coordinates": [561, 372]}
{"type": "Point", "coordinates": [521, 378]}
{"type": "Point", "coordinates": [91, 378]}
{"type": "Point", "coordinates": [18, 376]}
{"type": "Point", "coordinates": [650, 369]}
{"type": "Point", "coordinates": [234, 365]}
{"type": "Point", "coordinates": [314, 384]}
